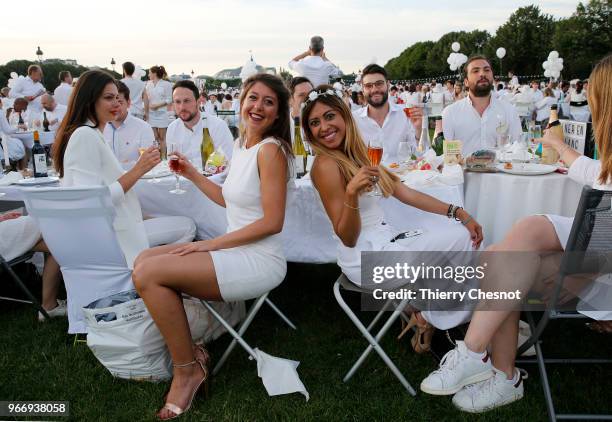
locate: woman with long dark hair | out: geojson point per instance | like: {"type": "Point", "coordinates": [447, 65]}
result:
{"type": "Point", "coordinates": [242, 264]}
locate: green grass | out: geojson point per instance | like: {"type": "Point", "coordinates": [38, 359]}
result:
{"type": "Point", "coordinates": [38, 362]}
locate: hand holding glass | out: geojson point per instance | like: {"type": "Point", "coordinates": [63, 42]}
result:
{"type": "Point", "coordinates": [375, 152]}
{"type": "Point", "coordinates": [175, 165]}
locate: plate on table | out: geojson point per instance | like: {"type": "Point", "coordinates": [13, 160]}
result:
{"type": "Point", "coordinates": [527, 169]}
{"type": "Point", "coordinates": [33, 181]}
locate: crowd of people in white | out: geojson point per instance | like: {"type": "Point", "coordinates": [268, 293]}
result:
{"type": "Point", "coordinates": [112, 132]}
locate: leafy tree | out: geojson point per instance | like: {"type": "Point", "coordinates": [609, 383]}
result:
{"type": "Point", "coordinates": [411, 63]}
{"type": "Point", "coordinates": [527, 38]}
{"type": "Point", "coordinates": [471, 43]}
{"type": "Point", "coordinates": [584, 38]}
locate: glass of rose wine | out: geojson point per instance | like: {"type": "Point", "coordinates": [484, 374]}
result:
{"type": "Point", "coordinates": [175, 166]}
{"type": "Point", "coordinates": [375, 152]}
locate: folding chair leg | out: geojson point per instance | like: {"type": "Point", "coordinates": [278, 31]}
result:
{"type": "Point", "coordinates": [379, 315]}
{"type": "Point", "coordinates": [25, 290]}
{"type": "Point", "coordinates": [374, 342]}
{"type": "Point", "coordinates": [237, 336]}
{"type": "Point", "coordinates": [280, 314]}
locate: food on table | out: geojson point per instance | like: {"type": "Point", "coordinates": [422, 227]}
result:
{"type": "Point", "coordinates": [393, 166]}
{"type": "Point", "coordinates": [508, 166]}
{"type": "Point", "coordinates": [481, 160]}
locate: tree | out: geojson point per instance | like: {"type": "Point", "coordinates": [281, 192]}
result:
{"type": "Point", "coordinates": [584, 38]}
{"type": "Point", "coordinates": [411, 63]}
{"type": "Point", "coordinates": [471, 43]}
{"type": "Point", "coordinates": [527, 38]}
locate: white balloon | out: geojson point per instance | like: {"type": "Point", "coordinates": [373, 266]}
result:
{"type": "Point", "coordinates": [560, 60]}
{"type": "Point", "coordinates": [14, 75]}
{"type": "Point", "coordinates": [462, 58]}
{"type": "Point", "coordinates": [501, 52]}
{"type": "Point", "coordinates": [453, 67]}
{"type": "Point", "coordinates": [224, 85]}
{"type": "Point", "coordinates": [553, 55]}
{"type": "Point", "coordinates": [455, 46]}
{"type": "Point", "coordinates": [545, 65]}
{"type": "Point", "coordinates": [547, 73]}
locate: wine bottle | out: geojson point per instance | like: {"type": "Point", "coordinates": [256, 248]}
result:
{"type": "Point", "coordinates": [20, 122]}
{"type": "Point", "coordinates": [298, 150]}
{"type": "Point", "coordinates": [424, 141]}
{"type": "Point", "coordinates": [549, 154]}
{"type": "Point", "coordinates": [39, 157]}
{"type": "Point", "coordinates": [45, 122]}
{"type": "Point", "coordinates": [206, 147]}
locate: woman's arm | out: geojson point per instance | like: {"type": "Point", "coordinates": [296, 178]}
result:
{"type": "Point", "coordinates": [341, 202]}
{"type": "Point", "coordinates": [272, 165]}
{"type": "Point", "coordinates": [428, 203]}
{"type": "Point", "coordinates": [566, 153]}
{"type": "Point", "coordinates": [149, 159]}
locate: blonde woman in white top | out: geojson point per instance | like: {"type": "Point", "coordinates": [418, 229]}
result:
{"type": "Point", "coordinates": [159, 92]}
{"type": "Point", "coordinates": [242, 264]}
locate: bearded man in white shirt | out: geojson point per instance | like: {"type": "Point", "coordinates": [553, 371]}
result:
{"type": "Point", "coordinates": [313, 64]}
{"type": "Point", "coordinates": [64, 89]}
{"type": "Point", "coordinates": [30, 88]}
{"type": "Point", "coordinates": [127, 134]}
{"type": "Point", "coordinates": [475, 119]}
{"type": "Point", "coordinates": [188, 129]}
{"type": "Point", "coordinates": [138, 95]}
{"type": "Point", "coordinates": [380, 119]}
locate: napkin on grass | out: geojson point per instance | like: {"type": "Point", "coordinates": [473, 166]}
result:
{"type": "Point", "coordinates": [10, 178]}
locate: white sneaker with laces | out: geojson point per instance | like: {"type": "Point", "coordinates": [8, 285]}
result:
{"type": "Point", "coordinates": [457, 369]}
{"type": "Point", "coordinates": [494, 392]}
{"type": "Point", "coordinates": [59, 310]}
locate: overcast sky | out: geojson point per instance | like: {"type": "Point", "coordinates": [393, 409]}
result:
{"type": "Point", "coordinates": [208, 36]}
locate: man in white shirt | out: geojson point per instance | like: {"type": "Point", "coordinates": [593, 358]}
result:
{"type": "Point", "coordinates": [30, 88]}
{"type": "Point", "coordinates": [138, 94]}
{"type": "Point", "coordinates": [55, 112]}
{"type": "Point", "coordinates": [127, 134]}
{"type": "Point", "coordinates": [381, 120]}
{"type": "Point", "coordinates": [449, 92]}
{"type": "Point", "coordinates": [189, 127]}
{"type": "Point", "coordinates": [536, 94]}
{"type": "Point", "coordinates": [313, 64]}
{"type": "Point", "coordinates": [64, 89]}
{"type": "Point", "coordinates": [299, 87]}
{"type": "Point", "coordinates": [475, 119]}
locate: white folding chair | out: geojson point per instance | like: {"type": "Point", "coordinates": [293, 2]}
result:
{"type": "Point", "coordinates": [77, 226]}
{"type": "Point", "coordinates": [343, 283]}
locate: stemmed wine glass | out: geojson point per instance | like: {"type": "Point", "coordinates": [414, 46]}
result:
{"type": "Point", "coordinates": [155, 144]}
{"type": "Point", "coordinates": [375, 152]}
{"type": "Point", "coordinates": [405, 151]}
{"type": "Point", "coordinates": [175, 165]}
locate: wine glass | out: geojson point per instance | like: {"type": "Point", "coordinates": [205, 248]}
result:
{"type": "Point", "coordinates": [405, 151]}
{"type": "Point", "coordinates": [175, 165]}
{"type": "Point", "coordinates": [375, 152]}
{"type": "Point", "coordinates": [155, 144]}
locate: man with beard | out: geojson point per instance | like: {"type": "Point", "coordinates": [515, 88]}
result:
{"type": "Point", "coordinates": [380, 119]}
{"type": "Point", "coordinates": [480, 118]}
{"type": "Point", "coordinates": [188, 129]}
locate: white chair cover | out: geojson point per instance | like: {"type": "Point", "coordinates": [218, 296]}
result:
{"type": "Point", "coordinates": [76, 224]}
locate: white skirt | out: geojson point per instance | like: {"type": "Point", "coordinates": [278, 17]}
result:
{"type": "Point", "coordinates": [247, 272]}
{"type": "Point", "coordinates": [562, 226]}
{"type": "Point", "coordinates": [159, 118]}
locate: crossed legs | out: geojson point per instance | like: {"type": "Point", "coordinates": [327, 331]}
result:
{"type": "Point", "coordinates": [160, 278]}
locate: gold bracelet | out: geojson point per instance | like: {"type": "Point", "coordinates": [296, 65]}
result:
{"type": "Point", "coordinates": [351, 207]}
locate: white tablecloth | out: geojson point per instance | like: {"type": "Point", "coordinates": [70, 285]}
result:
{"type": "Point", "coordinates": [307, 233]}
{"type": "Point", "coordinates": [498, 200]}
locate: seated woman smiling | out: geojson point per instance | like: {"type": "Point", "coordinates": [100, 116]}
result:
{"type": "Point", "coordinates": [342, 174]}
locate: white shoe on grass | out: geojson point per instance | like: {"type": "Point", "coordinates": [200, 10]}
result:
{"type": "Point", "coordinates": [59, 311]}
{"type": "Point", "coordinates": [457, 369]}
{"type": "Point", "coordinates": [494, 392]}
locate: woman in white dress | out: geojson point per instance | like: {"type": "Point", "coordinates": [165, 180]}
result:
{"type": "Point", "coordinates": [500, 381]}
{"type": "Point", "coordinates": [159, 92]}
{"type": "Point", "coordinates": [579, 105]}
{"type": "Point", "coordinates": [242, 264]}
{"type": "Point", "coordinates": [342, 174]}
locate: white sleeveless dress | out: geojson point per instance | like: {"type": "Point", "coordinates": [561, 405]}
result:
{"type": "Point", "coordinates": [247, 271]}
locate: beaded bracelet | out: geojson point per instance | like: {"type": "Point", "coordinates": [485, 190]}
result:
{"type": "Point", "coordinates": [467, 220]}
{"type": "Point", "coordinates": [351, 207]}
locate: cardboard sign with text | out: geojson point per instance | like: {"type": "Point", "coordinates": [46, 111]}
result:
{"type": "Point", "coordinates": [574, 134]}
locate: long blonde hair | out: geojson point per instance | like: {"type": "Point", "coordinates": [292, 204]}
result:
{"type": "Point", "coordinates": [600, 103]}
{"type": "Point", "coordinates": [352, 153]}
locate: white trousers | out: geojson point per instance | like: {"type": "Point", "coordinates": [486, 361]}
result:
{"type": "Point", "coordinates": [169, 230]}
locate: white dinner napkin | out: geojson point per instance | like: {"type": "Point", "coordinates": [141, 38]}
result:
{"type": "Point", "coordinates": [279, 375]}
{"type": "Point", "coordinates": [10, 178]}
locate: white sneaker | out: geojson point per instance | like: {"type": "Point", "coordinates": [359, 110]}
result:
{"type": "Point", "coordinates": [59, 310]}
{"type": "Point", "coordinates": [494, 392]}
{"type": "Point", "coordinates": [457, 369]}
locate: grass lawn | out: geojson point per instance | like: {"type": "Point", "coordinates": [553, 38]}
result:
{"type": "Point", "coordinates": [38, 362]}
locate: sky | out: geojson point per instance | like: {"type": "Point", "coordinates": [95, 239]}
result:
{"type": "Point", "coordinates": [208, 36]}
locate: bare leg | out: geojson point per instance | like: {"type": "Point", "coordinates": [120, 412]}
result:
{"type": "Point", "coordinates": [159, 277]}
{"type": "Point", "coordinates": [162, 141]}
{"type": "Point", "coordinates": [51, 277]}
{"type": "Point", "coordinates": [499, 328]}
